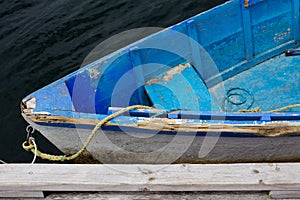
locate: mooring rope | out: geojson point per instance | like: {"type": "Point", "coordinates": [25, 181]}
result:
{"type": "Point", "coordinates": [35, 150]}
{"type": "Point", "coordinates": [30, 145]}
{"type": "Point", "coordinates": [2, 162]}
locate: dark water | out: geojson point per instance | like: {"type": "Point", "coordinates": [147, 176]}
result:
{"type": "Point", "coordinates": [43, 40]}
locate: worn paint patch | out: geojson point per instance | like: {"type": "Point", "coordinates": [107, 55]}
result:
{"type": "Point", "coordinates": [282, 35]}
{"type": "Point", "coordinates": [169, 74]}
{"type": "Point", "coordinates": [94, 72]}
{"type": "Point", "coordinates": [175, 70]}
{"type": "Point", "coordinates": [153, 81]}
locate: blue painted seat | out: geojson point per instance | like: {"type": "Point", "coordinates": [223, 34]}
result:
{"type": "Point", "coordinates": [180, 87]}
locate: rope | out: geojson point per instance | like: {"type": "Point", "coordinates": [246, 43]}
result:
{"type": "Point", "coordinates": [31, 145]}
{"type": "Point", "coordinates": [2, 162]}
{"type": "Point", "coordinates": [286, 108]}
{"type": "Point", "coordinates": [237, 91]}
{"type": "Point", "coordinates": [243, 94]}
{"type": "Point", "coordinates": [164, 112]}
{"type": "Point", "coordinates": [35, 150]}
{"type": "Point", "coordinates": [276, 110]}
{"type": "Point", "coordinates": [251, 110]}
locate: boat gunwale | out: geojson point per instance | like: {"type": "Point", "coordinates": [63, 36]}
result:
{"type": "Point", "coordinates": [263, 128]}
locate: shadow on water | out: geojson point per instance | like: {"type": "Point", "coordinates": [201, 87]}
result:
{"type": "Point", "coordinates": [41, 41]}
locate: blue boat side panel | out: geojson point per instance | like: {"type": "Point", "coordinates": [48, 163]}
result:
{"type": "Point", "coordinates": [179, 88]}
{"type": "Point", "coordinates": [116, 85]}
{"type": "Point", "coordinates": [195, 49]}
{"type": "Point", "coordinates": [248, 39]}
{"type": "Point", "coordinates": [139, 74]}
{"type": "Point", "coordinates": [154, 65]}
{"type": "Point", "coordinates": [271, 24]}
{"type": "Point", "coordinates": [296, 16]}
{"type": "Point", "coordinates": [211, 27]}
{"type": "Point", "coordinates": [170, 47]}
{"type": "Point", "coordinates": [224, 42]}
{"type": "Point", "coordinates": [55, 97]}
{"type": "Point", "coordinates": [94, 91]}
{"type": "Point", "coordinates": [274, 27]}
{"type": "Point", "coordinates": [82, 92]}
{"type": "Point", "coordinates": [225, 53]}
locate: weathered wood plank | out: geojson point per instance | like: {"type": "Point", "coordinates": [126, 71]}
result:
{"type": "Point", "coordinates": [160, 195]}
{"type": "Point", "coordinates": [285, 194]}
{"type": "Point", "coordinates": [21, 194]}
{"type": "Point", "coordinates": [181, 177]}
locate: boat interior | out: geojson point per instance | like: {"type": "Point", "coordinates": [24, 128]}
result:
{"type": "Point", "coordinates": [228, 59]}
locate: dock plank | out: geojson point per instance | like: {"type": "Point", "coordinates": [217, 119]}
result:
{"type": "Point", "coordinates": [285, 194]}
{"type": "Point", "coordinates": [179, 177]}
{"type": "Point", "coordinates": [21, 194]}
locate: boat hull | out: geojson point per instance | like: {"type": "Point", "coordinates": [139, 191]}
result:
{"type": "Point", "coordinates": [157, 148]}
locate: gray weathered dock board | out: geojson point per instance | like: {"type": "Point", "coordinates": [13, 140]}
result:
{"type": "Point", "coordinates": [160, 196]}
{"type": "Point", "coordinates": [282, 179]}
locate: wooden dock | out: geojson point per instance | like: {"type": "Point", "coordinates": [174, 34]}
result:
{"type": "Point", "coordinates": [279, 180]}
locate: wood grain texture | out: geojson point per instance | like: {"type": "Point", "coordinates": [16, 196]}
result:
{"type": "Point", "coordinates": [285, 194]}
{"type": "Point", "coordinates": [21, 194]}
{"type": "Point", "coordinates": [181, 177]}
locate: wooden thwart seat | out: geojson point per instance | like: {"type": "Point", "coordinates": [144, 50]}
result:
{"type": "Point", "coordinates": [180, 87]}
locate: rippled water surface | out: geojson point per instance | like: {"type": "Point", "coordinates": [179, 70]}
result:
{"type": "Point", "coordinates": [43, 40]}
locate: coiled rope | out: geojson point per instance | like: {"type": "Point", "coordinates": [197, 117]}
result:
{"type": "Point", "coordinates": [30, 145]}
{"type": "Point", "coordinates": [243, 94]}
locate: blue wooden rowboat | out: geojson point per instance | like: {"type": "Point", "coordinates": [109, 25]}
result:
{"type": "Point", "coordinates": [222, 88]}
